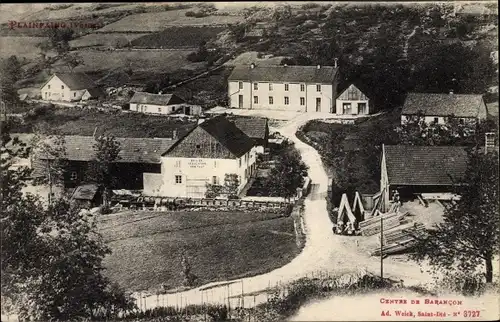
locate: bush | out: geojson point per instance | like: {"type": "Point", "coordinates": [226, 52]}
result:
{"type": "Point", "coordinates": [105, 210]}
{"type": "Point", "coordinates": [463, 283]}
{"type": "Point", "coordinates": [217, 312]}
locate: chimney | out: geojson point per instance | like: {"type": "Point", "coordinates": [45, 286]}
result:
{"type": "Point", "coordinates": [335, 64]}
{"type": "Point", "coordinates": [318, 67]}
{"type": "Point", "coordinates": [285, 65]}
{"type": "Point", "coordinates": [160, 92]}
{"type": "Point", "coordinates": [451, 92]}
{"type": "Point", "coordinates": [252, 65]}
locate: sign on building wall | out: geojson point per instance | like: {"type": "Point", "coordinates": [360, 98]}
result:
{"type": "Point", "coordinates": [197, 163]}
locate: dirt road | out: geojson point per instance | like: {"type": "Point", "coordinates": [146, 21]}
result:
{"type": "Point", "coordinates": [324, 252]}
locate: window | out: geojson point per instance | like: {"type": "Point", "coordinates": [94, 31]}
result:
{"type": "Point", "coordinates": [270, 86]}
{"type": "Point", "coordinates": [178, 179]}
{"type": "Point", "coordinates": [287, 100]}
{"type": "Point", "coordinates": [256, 100]}
{"type": "Point", "coordinates": [73, 176]}
{"type": "Point", "coordinates": [240, 101]}
{"type": "Point", "coordinates": [255, 86]}
{"type": "Point", "coordinates": [347, 108]}
{"type": "Point", "coordinates": [239, 160]}
{"type": "Point", "coordinates": [74, 94]}
{"type": "Point", "coordinates": [145, 108]}
{"type": "Point", "coordinates": [240, 85]}
{"type": "Point", "coordinates": [215, 180]}
{"type": "Point", "coordinates": [62, 86]}
{"type": "Point", "coordinates": [159, 109]}
{"type": "Point", "coordinates": [318, 88]}
{"type": "Point", "coordinates": [198, 146]}
{"type": "Point", "coordinates": [178, 163]}
{"type": "Point", "coordinates": [62, 94]}
{"type": "Point", "coordinates": [302, 101]}
{"type": "Point", "coordinates": [215, 164]}
{"type": "Point", "coordinates": [49, 86]}
{"type": "Point", "coordinates": [286, 87]}
{"type": "Point", "coordinates": [461, 121]}
{"type": "Point", "coordinates": [50, 93]}
{"type": "Point", "coordinates": [271, 100]}
{"type": "Point", "coordinates": [318, 104]}
{"type": "Point", "coordinates": [436, 120]}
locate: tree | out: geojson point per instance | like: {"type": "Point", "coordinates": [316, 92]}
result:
{"type": "Point", "coordinates": [10, 73]}
{"type": "Point", "coordinates": [231, 184]}
{"type": "Point", "coordinates": [72, 60]}
{"type": "Point", "coordinates": [213, 190]}
{"type": "Point", "coordinates": [288, 174]}
{"type": "Point", "coordinates": [51, 259]}
{"type": "Point", "coordinates": [52, 150]}
{"type": "Point", "coordinates": [188, 277]}
{"type": "Point", "coordinates": [102, 167]}
{"type": "Point", "coordinates": [468, 238]}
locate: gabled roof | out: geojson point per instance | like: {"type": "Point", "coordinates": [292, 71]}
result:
{"type": "Point", "coordinates": [343, 86]}
{"type": "Point", "coordinates": [431, 104]}
{"type": "Point", "coordinates": [253, 127]}
{"type": "Point", "coordinates": [74, 81]}
{"type": "Point", "coordinates": [425, 165]}
{"type": "Point", "coordinates": [300, 74]}
{"type": "Point", "coordinates": [155, 99]}
{"type": "Point", "coordinates": [95, 92]}
{"type": "Point", "coordinates": [85, 192]}
{"type": "Point", "coordinates": [224, 132]}
{"type": "Point", "coordinates": [133, 150]}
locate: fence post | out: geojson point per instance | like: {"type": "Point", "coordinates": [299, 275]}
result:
{"type": "Point", "coordinates": [228, 299]}
{"type": "Point", "coordinates": [242, 295]}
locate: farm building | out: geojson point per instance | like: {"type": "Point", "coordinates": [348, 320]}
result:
{"type": "Point", "coordinates": [69, 87]}
{"type": "Point", "coordinates": [137, 155]}
{"type": "Point", "coordinates": [441, 108]}
{"type": "Point", "coordinates": [413, 170]}
{"type": "Point", "coordinates": [352, 101]}
{"type": "Point", "coordinates": [287, 88]}
{"type": "Point", "coordinates": [256, 128]}
{"type": "Point", "coordinates": [93, 93]}
{"type": "Point", "coordinates": [211, 150]}
{"type": "Point", "coordinates": [88, 195]}
{"type": "Point", "coordinates": [161, 104]}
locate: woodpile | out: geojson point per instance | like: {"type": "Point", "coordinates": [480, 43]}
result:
{"type": "Point", "coordinates": [400, 240]}
{"type": "Point", "coordinates": [391, 220]}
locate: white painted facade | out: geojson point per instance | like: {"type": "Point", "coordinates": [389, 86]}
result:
{"type": "Point", "coordinates": [352, 102]}
{"type": "Point", "coordinates": [187, 177]}
{"type": "Point", "coordinates": [436, 119]}
{"type": "Point", "coordinates": [294, 97]}
{"type": "Point", "coordinates": [154, 109]}
{"type": "Point", "coordinates": [56, 90]}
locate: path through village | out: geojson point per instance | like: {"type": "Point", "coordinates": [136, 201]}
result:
{"type": "Point", "coordinates": [324, 253]}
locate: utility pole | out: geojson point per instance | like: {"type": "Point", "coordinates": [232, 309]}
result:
{"type": "Point", "coordinates": [381, 247]}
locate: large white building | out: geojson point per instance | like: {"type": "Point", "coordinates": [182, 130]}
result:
{"type": "Point", "coordinates": [69, 87]}
{"type": "Point", "coordinates": [287, 88]}
{"type": "Point", "coordinates": [214, 148]}
{"type": "Point", "coordinates": [161, 104]}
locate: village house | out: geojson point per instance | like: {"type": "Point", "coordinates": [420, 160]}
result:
{"type": "Point", "coordinates": [212, 150]}
{"type": "Point", "coordinates": [442, 108]}
{"type": "Point", "coordinates": [413, 170]}
{"type": "Point", "coordinates": [352, 101]}
{"type": "Point", "coordinates": [69, 87]}
{"type": "Point", "coordinates": [256, 128]}
{"type": "Point", "coordinates": [161, 104]}
{"type": "Point", "coordinates": [137, 155]}
{"type": "Point", "coordinates": [287, 88]}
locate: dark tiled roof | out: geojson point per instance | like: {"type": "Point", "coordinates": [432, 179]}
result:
{"type": "Point", "coordinates": [228, 135]}
{"type": "Point", "coordinates": [133, 150]}
{"type": "Point", "coordinates": [76, 80]}
{"type": "Point", "coordinates": [304, 74]}
{"type": "Point", "coordinates": [425, 165]}
{"type": "Point", "coordinates": [253, 127]}
{"type": "Point", "coordinates": [95, 92]}
{"type": "Point", "coordinates": [85, 192]}
{"type": "Point", "coordinates": [155, 99]}
{"type": "Point", "coordinates": [459, 105]}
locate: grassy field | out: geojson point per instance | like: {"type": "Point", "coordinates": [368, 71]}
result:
{"type": "Point", "coordinates": [75, 121]}
{"type": "Point", "coordinates": [220, 245]}
{"type": "Point", "coordinates": [141, 60]}
{"type": "Point", "coordinates": [157, 21]}
{"type": "Point", "coordinates": [103, 39]}
{"type": "Point", "coordinates": [169, 38]}
{"type": "Point", "coordinates": [20, 46]}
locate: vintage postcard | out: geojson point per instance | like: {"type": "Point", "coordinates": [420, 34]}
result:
{"type": "Point", "coordinates": [249, 161]}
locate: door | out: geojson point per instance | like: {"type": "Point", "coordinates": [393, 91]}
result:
{"type": "Point", "coordinates": [318, 104]}
{"type": "Point", "coordinates": [187, 110]}
{"type": "Point", "coordinates": [240, 101]}
{"type": "Point", "coordinates": [361, 108]}
{"type": "Point", "coordinates": [346, 108]}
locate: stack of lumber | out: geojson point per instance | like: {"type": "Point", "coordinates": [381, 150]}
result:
{"type": "Point", "coordinates": [371, 226]}
{"type": "Point", "coordinates": [400, 239]}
